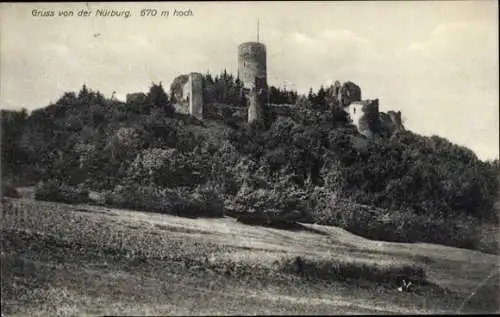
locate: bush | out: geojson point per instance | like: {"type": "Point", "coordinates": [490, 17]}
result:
{"type": "Point", "coordinates": [272, 207]}
{"type": "Point", "coordinates": [328, 268]}
{"type": "Point", "coordinates": [424, 174]}
{"type": "Point", "coordinates": [210, 202]}
{"type": "Point", "coordinates": [8, 190]}
{"type": "Point", "coordinates": [136, 196]}
{"type": "Point", "coordinates": [59, 192]}
{"type": "Point", "coordinates": [166, 168]}
{"type": "Point", "coordinates": [181, 202]}
{"type": "Point", "coordinates": [459, 230]}
{"type": "Point", "coordinates": [311, 161]}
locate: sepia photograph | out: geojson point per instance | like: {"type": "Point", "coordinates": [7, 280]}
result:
{"type": "Point", "coordinates": [249, 158]}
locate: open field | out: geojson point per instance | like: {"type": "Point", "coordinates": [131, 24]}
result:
{"type": "Point", "coordinates": [60, 259]}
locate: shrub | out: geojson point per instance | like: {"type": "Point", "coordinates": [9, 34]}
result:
{"type": "Point", "coordinates": [275, 206]}
{"type": "Point", "coordinates": [136, 196]}
{"type": "Point", "coordinates": [419, 188]}
{"type": "Point", "coordinates": [425, 174]}
{"type": "Point", "coordinates": [166, 168]}
{"type": "Point", "coordinates": [8, 190]}
{"type": "Point", "coordinates": [327, 268]}
{"type": "Point", "coordinates": [180, 201]}
{"type": "Point", "coordinates": [210, 202]}
{"type": "Point", "coordinates": [459, 230]}
{"type": "Point", "coordinates": [59, 192]}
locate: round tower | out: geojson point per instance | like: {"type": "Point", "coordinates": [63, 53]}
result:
{"type": "Point", "coordinates": [252, 65]}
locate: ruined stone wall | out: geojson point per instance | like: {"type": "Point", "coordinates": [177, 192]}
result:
{"type": "Point", "coordinates": [178, 91]}
{"type": "Point", "coordinates": [187, 93]}
{"type": "Point", "coordinates": [396, 120]}
{"type": "Point", "coordinates": [196, 105]}
{"type": "Point", "coordinates": [254, 106]}
{"type": "Point", "coordinates": [137, 97]}
{"type": "Point", "coordinates": [391, 122]}
{"type": "Point", "coordinates": [280, 110]}
{"type": "Point", "coordinates": [355, 111]}
{"type": "Point", "coordinates": [365, 116]}
{"type": "Point", "coordinates": [347, 93]}
{"type": "Point", "coordinates": [342, 94]}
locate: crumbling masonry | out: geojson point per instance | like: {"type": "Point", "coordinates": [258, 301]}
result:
{"type": "Point", "coordinates": [187, 93]}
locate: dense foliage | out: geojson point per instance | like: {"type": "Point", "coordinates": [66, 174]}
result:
{"type": "Point", "coordinates": [310, 164]}
{"type": "Point", "coordinates": [225, 88]}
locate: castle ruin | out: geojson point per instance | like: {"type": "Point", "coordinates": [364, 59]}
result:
{"type": "Point", "coordinates": [365, 116]}
{"type": "Point", "coordinates": [187, 94]}
{"type": "Point", "coordinates": [347, 93]}
{"type": "Point", "coordinates": [187, 90]}
{"type": "Point", "coordinates": [252, 71]}
{"type": "Point", "coordinates": [392, 122]}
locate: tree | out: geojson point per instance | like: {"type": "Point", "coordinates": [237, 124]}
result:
{"type": "Point", "coordinates": [12, 126]}
{"type": "Point", "coordinates": [320, 98]}
{"type": "Point", "coordinates": [70, 98]}
{"type": "Point", "coordinates": [84, 93]}
{"type": "Point", "coordinates": [238, 93]}
{"type": "Point", "coordinates": [274, 95]}
{"type": "Point", "coordinates": [157, 95]}
{"type": "Point", "coordinates": [159, 98]}
{"type": "Point", "coordinates": [311, 96]}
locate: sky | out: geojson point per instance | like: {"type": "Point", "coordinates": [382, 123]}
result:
{"type": "Point", "coordinates": [435, 61]}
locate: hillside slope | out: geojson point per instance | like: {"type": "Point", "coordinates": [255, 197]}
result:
{"type": "Point", "coordinates": [88, 260]}
{"type": "Point", "coordinates": [308, 162]}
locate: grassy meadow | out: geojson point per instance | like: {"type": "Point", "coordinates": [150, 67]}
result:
{"type": "Point", "coordinates": [80, 260]}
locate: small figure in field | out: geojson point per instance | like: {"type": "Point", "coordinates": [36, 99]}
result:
{"type": "Point", "coordinates": [405, 287]}
{"type": "Point", "coordinates": [300, 265]}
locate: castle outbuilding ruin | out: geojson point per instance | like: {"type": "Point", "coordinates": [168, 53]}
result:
{"type": "Point", "coordinates": [392, 122]}
{"type": "Point", "coordinates": [347, 93]}
{"type": "Point", "coordinates": [136, 97]}
{"type": "Point", "coordinates": [364, 113]}
{"type": "Point", "coordinates": [187, 94]}
{"type": "Point", "coordinates": [365, 116]}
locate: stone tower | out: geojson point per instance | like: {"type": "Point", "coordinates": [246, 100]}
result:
{"type": "Point", "coordinates": [195, 101]}
{"type": "Point", "coordinates": [252, 72]}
